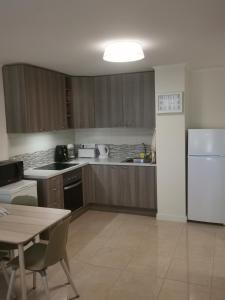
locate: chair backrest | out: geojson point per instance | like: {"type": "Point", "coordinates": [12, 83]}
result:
{"type": "Point", "coordinates": [56, 248]}
{"type": "Point", "coordinates": [25, 200]}
{"type": "Point", "coordinates": [3, 254]}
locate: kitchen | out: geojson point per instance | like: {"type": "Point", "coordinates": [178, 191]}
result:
{"type": "Point", "coordinates": [121, 198]}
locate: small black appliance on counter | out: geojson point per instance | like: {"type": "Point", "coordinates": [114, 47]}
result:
{"type": "Point", "coordinates": [10, 171]}
{"type": "Point", "coordinates": [61, 153]}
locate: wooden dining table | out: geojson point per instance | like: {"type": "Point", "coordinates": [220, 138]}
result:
{"type": "Point", "coordinates": [24, 223]}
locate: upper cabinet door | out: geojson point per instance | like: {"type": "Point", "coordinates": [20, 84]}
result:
{"type": "Point", "coordinates": [32, 106]}
{"type": "Point", "coordinates": [148, 100]}
{"type": "Point", "coordinates": [83, 102]}
{"type": "Point", "coordinates": [108, 95]}
{"type": "Point", "coordinates": [116, 100]}
{"type": "Point", "coordinates": [59, 101]}
{"type": "Point", "coordinates": [34, 99]}
{"type": "Point", "coordinates": [101, 96]}
{"type": "Point", "coordinates": [139, 99]}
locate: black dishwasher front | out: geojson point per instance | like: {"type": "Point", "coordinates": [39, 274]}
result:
{"type": "Point", "coordinates": [73, 193]}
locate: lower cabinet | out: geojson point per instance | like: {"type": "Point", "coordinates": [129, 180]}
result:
{"type": "Point", "coordinates": [107, 184]}
{"type": "Point", "coordinates": [88, 185]}
{"type": "Point", "coordinates": [121, 186]}
{"type": "Point", "coordinates": [50, 192]}
{"type": "Point", "coordinates": [127, 186]}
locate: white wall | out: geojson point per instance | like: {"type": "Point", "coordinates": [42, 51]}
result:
{"type": "Point", "coordinates": [113, 136]}
{"type": "Point", "coordinates": [170, 148]}
{"type": "Point", "coordinates": [3, 135]}
{"type": "Point", "coordinates": [28, 143]}
{"type": "Point", "coordinates": [207, 98]}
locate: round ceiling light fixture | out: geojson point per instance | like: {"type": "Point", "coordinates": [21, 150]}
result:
{"type": "Point", "coordinates": [123, 51]}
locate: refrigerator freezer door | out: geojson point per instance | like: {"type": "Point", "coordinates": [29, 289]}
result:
{"type": "Point", "coordinates": [206, 189]}
{"type": "Point", "coordinates": [206, 142]}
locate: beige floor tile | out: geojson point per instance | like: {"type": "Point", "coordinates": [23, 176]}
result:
{"type": "Point", "coordinates": [133, 286]}
{"type": "Point", "coordinates": [93, 221]}
{"type": "Point", "coordinates": [145, 262]}
{"type": "Point", "coordinates": [217, 294]}
{"type": "Point", "coordinates": [158, 247]}
{"type": "Point", "coordinates": [196, 243]}
{"type": "Point", "coordinates": [220, 244]}
{"type": "Point", "coordinates": [95, 282]}
{"type": "Point", "coordinates": [125, 240]}
{"type": "Point", "coordinates": [92, 282]}
{"type": "Point", "coordinates": [198, 271]}
{"type": "Point", "coordinates": [139, 220]}
{"type": "Point", "coordinates": [202, 228]}
{"type": "Point", "coordinates": [197, 292]}
{"type": "Point", "coordinates": [89, 250]}
{"type": "Point", "coordinates": [218, 280]}
{"type": "Point", "coordinates": [112, 257]}
{"type": "Point", "coordinates": [80, 241]}
{"type": "Point", "coordinates": [166, 227]}
{"type": "Point", "coordinates": [194, 250]}
{"type": "Point", "coordinates": [175, 290]}
{"type": "Point", "coordinates": [119, 256]}
{"type": "Point", "coordinates": [193, 235]}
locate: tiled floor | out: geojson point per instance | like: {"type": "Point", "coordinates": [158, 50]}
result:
{"type": "Point", "coordinates": [120, 257]}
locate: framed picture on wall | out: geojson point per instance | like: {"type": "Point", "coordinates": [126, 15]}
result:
{"type": "Point", "coordinates": [169, 103]}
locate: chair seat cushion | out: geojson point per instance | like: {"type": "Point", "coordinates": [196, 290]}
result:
{"type": "Point", "coordinates": [34, 258]}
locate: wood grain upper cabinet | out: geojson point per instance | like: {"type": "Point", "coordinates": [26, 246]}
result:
{"type": "Point", "coordinates": [59, 103]}
{"type": "Point", "coordinates": [139, 99]}
{"type": "Point", "coordinates": [83, 102]}
{"type": "Point", "coordinates": [108, 96]}
{"type": "Point", "coordinates": [34, 99]}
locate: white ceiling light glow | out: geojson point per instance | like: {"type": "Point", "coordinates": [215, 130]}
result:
{"type": "Point", "coordinates": [123, 51]}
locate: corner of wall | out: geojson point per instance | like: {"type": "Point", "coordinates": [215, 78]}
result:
{"type": "Point", "coordinates": [4, 153]}
{"type": "Point", "coordinates": [170, 148]}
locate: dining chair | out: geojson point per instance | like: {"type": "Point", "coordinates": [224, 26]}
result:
{"type": "Point", "coordinates": [25, 200]}
{"type": "Point", "coordinates": [40, 256]}
{"type": "Point", "coordinates": [3, 258]}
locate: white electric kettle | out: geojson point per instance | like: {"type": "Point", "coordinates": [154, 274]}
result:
{"type": "Point", "coordinates": [103, 151]}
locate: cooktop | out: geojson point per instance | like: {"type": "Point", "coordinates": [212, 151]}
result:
{"type": "Point", "coordinates": [56, 166]}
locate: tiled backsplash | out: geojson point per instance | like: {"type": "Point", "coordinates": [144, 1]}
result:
{"type": "Point", "coordinates": [38, 158]}
{"type": "Point", "coordinates": [124, 151]}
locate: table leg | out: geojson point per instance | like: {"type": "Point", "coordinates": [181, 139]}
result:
{"type": "Point", "coordinates": [22, 272]}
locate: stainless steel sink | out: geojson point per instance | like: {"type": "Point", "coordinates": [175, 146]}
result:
{"type": "Point", "coordinates": [137, 160]}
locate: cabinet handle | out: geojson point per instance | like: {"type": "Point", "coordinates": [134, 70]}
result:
{"type": "Point", "coordinates": [54, 189]}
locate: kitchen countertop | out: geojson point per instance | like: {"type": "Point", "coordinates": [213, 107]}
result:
{"type": "Point", "coordinates": [81, 162]}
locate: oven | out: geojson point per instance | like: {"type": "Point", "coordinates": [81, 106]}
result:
{"type": "Point", "coordinates": [73, 193]}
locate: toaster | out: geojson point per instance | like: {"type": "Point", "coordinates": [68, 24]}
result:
{"type": "Point", "coordinates": [87, 153]}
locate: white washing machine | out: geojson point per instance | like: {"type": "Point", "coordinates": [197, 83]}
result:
{"type": "Point", "coordinates": [19, 188]}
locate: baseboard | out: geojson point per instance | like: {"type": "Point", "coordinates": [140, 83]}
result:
{"type": "Point", "coordinates": [121, 209]}
{"type": "Point", "coordinates": [175, 218]}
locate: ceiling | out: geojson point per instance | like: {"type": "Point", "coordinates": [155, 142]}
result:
{"type": "Point", "coordinates": [70, 35]}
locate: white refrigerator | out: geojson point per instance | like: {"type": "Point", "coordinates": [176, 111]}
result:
{"type": "Point", "coordinates": [206, 175]}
